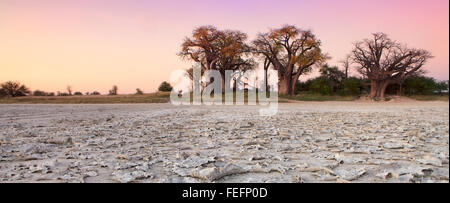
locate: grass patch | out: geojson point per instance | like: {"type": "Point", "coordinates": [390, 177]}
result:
{"type": "Point", "coordinates": [318, 97]}
{"type": "Point", "coordinates": [159, 97]}
{"type": "Point", "coordinates": [430, 97]}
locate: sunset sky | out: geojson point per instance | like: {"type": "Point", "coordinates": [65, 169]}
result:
{"type": "Point", "coordinates": [94, 44]}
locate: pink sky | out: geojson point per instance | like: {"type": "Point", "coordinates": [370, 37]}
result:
{"type": "Point", "coordinates": [94, 44]}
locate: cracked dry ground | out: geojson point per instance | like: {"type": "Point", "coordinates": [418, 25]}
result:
{"type": "Point", "coordinates": [304, 142]}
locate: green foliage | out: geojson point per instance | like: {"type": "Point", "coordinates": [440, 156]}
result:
{"type": "Point", "coordinates": [332, 81]}
{"type": "Point", "coordinates": [419, 85]}
{"type": "Point", "coordinates": [442, 86]}
{"type": "Point", "coordinates": [333, 75]}
{"type": "Point", "coordinates": [165, 87]}
{"type": "Point", "coordinates": [351, 86]}
{"type": "Point", "coordinates": [321, 85]}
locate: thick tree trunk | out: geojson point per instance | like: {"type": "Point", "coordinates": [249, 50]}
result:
{"type": "Point", "coordinates": [293, 83]}
{"type": "Point", "coordinates": [293, 87]}
{"type": "Point", "coordinates": [373, 89]}
{"type": "Point", "coordinates": [384, 85]}
{"type": "Point", "coordinates": [378, 89]}
{"type": "Point", "coordinates": [284, 86]}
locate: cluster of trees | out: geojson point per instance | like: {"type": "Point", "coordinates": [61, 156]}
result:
{"type": "Point", "coordinates": [289, 50]}
{"type": "Point", "coordinates": [382, 63]}
{"type": "Point", "coordinates": [15, 89]}
{"type": "Point", "coordinates": [333, 82]}
{"type": "Point", "coordinates": [294, 52]}
{"type": "Point", "coordinates": [419, 85]}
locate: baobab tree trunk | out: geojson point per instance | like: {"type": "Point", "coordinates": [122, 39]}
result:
{"type": "Point", "coordinates": [383, 87]}
{"type": "Point", "coordinates": [378, 88]}
{"type": "Point", "coordinates": [284, 86]}
{"type": "Point", "coordinates": [293, 83]}
{"type": "Point", "coordinates": [373, 89]}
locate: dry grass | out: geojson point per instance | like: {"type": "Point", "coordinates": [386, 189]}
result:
{"type": "Point", "coordinates": [430, 97]}
{"type": "Point", "coordinates": [159, 97]}
{"type": "Point", "coordinates": [162, 97]}
{"type": "Point", "coordinates": [319, 97]}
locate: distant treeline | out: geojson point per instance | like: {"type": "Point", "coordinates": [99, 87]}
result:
{"type": "Point", "coordinates": [16, 89]}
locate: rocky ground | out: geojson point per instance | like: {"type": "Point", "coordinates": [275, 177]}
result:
{"type": "Point", "coordinates": [304, 142]}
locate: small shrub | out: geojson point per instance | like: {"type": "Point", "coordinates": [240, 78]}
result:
{"type": "Point", "coordinates": [78, 93]}
{"type": "Point", "coordinates": [39, 93]}
{"type": "Point", "coordinates": [165, 87]}
{"type": "Point", "coordinates": [63, 94]}
{"type": "Point", "coordinates": [114, 90]}
{"type": "Point", "coordinates": [139, 91]}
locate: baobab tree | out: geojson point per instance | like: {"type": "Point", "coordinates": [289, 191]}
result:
{"type": "Point", "coordinates": [291, 51]}
{"type": "Point", "coordinates": [218, 50]}
{"type": "Point", "coordinates": [385, 61]}
{"type": "Point", "coordinates": [113, 90]}
{"type": "Point", "coordinates": [13, 89]}
{"type": "Point", "coordinates": [346, 62]}
{"type": "Point", "coordinates": [69, 90]}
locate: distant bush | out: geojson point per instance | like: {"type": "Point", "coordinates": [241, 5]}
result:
{"type": "Point", "coordinates": [42, 93]}
{"type": "Point", "coordinates": [165, 87]}
{"type": "Point", "coordinates": [77, 93]}
{"type": "Point", "coordinates": [114, 90]}
{"type": "Point", "coordinates": [62, 94]}
{"type": "Point", "coordinates": [95, 93]}
{"type": "Point", "coordinates": [39, 93]}
{"type": "Point", "coordinates": [139, 91]}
